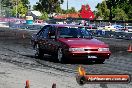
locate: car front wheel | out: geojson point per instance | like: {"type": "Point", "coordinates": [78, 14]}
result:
{"type": "Point", "coordinates": [39, 52]}
{"type": "Point", "coordinates": [60, 55]}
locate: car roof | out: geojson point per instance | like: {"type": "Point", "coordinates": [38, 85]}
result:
{"type": "Point", "coordinates": [65, 25]}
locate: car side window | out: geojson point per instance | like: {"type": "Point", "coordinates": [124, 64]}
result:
{"type": "Point", "coordinates": [41, 30]}
{"type": "Point", "coordinates": [44, 32]}
{"type": "Point", "coordinates": [52, 32]}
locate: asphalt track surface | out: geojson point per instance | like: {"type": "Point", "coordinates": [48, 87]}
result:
{"type": "Point", "coordinates": [15, 48]}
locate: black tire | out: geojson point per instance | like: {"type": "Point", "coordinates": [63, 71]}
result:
{"type": "Point", "coordinates": [60, 56]}
{"type": "Point", "coordinates": [39, 52]}
{"type": "Point", "coordinates": [100, 61]}
{"type": "Point", "coordinates": [81, 80]}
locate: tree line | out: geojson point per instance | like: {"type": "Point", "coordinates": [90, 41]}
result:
{"type": "Point", "coordinates": [106, 10]}
{"type": "Point", "coordinates": [114, 10]}
{"type": "Point", "coordinates": [21, 6]}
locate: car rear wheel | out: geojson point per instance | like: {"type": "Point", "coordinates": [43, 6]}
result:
{"type": "Point", "coordinates": [39, 52]}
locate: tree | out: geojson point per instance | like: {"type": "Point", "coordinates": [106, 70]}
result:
{"type": "Point", "coordinates": [44, 16]}
{"type": "Point", "coordinates": [113, 9]}
{"type": "Point", "coordinates": [21, 8]}
{"type": "Point", "coordinates": [111, 4]}
{"type": "Point", "coordinates": [49, 6]}
{"type": "Point", "coordinates": [25, 2]}
{"type": "Point", "coordinates": [120, 14]}
{"type": "Point", "coordinates": [130, 13]}
{"type": "Point", "coordinates": [34, 7]}
{"type": "Point", "coordinates": [14, 2]}
{"type": "Point", "coordinates": [116, 4]}
{"type": "Point", "coordinates": [102, 10]}
{"type": "Point", "coordinates": [5, 2]}
{"type": "Point", "coordinates": [71, 10]}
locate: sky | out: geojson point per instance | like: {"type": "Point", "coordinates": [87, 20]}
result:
{"type": "Point", "coordinates": [75, 3]}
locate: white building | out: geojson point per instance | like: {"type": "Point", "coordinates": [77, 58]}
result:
{"type": "Point", "coordinates": [34, 14]}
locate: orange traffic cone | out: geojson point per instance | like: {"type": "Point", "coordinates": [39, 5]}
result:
{"type": "Point", "coordinates": [54, 85]}
{"type": "Point", "coordinates": [27, 84]}
{"type": "Point", "coordinates": [81, 71]}
{"type": "Point", "coordinates": [129, 48]}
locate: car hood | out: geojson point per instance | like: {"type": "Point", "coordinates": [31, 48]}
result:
{"type": "Point", "coordinates": [82, 42]}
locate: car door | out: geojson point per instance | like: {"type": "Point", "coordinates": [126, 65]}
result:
{"type": "Point", "coordinates": [42, 37]}
{"type": "Point", "coordinates": [52, 42]}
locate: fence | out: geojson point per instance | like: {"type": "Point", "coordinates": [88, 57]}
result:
{"type": "Point", "coordinates": [112, 34]}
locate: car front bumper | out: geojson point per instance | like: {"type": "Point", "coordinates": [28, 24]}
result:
{"type": "Point", "coordinates": [89, 56]}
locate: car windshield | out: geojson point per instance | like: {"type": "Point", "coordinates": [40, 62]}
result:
{"type": "Point", "coordinates": [65, 32]}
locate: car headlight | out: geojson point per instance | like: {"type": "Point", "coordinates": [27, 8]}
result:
{"type": "Point", "coordinates": [103, 49]}
{"type": "Point", "coordinates": [76, 49]}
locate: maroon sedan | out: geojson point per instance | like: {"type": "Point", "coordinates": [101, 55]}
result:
{"type": "Point", "coordinates": [69, 42]}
